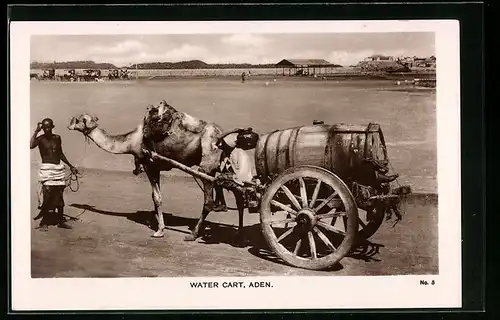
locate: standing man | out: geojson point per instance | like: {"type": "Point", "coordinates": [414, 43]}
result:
{"type": "Point", "coordinates": [52, 175]}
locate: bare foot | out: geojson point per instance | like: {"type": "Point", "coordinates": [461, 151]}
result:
{"type": "Point", "coordinates": [158, 234]}
{"type": "Point", "coordinates": [64, 225]}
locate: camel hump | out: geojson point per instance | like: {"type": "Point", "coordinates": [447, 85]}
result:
{"type": "Point", "coordinates": [191, 123]}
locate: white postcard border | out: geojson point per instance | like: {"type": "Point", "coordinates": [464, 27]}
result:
{"type": "Point", "coordinates": [311, 292]}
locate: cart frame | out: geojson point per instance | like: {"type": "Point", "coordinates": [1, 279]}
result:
{"type": "Point", "coordinates": [302, 229]}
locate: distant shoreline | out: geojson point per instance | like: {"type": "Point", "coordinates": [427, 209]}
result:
{"type": "Point", "coordinates": [340, 73]}
{"type": "Point", "coordinates": [358, 76]}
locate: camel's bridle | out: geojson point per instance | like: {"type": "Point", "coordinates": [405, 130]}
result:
{"type": "Point", "coordinates": [87, 131]}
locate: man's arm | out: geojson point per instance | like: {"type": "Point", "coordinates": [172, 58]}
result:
{"type": "Point", "coordinates": [65, 160]}
{"type": "Point", "coordinates": [34, 140]}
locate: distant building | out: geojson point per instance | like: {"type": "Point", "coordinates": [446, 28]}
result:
{"type": "Point", "coordinates": [379, 57]}
{"type": "Point", "coordinates": [430, 62]}
{"type": "Point", "coordinates": [416, 62]}
{"type": "Point", "coordinates": [304, 66]}
{"type": "Point", "coordinates": [419, 62]}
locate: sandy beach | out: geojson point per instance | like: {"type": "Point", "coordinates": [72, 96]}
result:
{"type": "Point", "coordinates": [408, 119]}
{"type": "Point", "coordinates": [111, 237]}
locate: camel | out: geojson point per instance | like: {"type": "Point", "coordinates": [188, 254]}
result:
{"type": "Point", "coordinates": [175, 135]}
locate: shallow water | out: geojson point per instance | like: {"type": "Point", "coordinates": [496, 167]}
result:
{"type": "Point", "coordinates": [408, 119]}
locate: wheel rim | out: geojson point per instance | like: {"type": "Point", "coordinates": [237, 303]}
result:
{"type": "Point", "coordinates": [368, 222]}
{"type": "Point", "coordinates": [297, 213]}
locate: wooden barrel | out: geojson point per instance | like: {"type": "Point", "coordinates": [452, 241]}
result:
{"type": "Point", "coordinates": [340, 148]}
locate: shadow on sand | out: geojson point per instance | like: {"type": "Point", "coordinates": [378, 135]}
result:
{"type": "Point", "coordinates": [365, 250]}
{"type": "Point", "coordinates": [216, 233]}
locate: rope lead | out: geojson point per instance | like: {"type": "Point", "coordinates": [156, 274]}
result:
{"type": "Point", "coordinates": [73, 177]}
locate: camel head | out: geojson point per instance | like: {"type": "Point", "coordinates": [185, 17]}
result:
{"type": "Point", "coordinates": [84, 123]}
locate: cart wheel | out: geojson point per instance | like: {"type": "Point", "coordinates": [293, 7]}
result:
{"type": "Point", "coordinates": [296, 217]}
{"type": "Point", "coordinates": [368, 222]}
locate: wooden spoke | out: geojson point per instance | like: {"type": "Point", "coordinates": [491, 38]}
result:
{"type": "Point", "coordinates": [297, 247]}
{"type": "Point", "coordinates": [315, 194]}
{"type": "Point", "coordinates": [285, 234]}
{"type": "Point", "coordinates": [303, 192]}
{"type": "Point", "coordinates": [290, 196]}
{"type": "Point", "coordinates": [331, 214]}
{"type": "Point", "coordinates": [330, 228]}
{"type": "Point", "coordinates": [312, 244]}
{"type": "Point", "coordinates": [283, 211]}
{"type": "Point", "coordinates": [284, 221]}
{"type": "Point", "coordinates": [326, 201]}
{"type": "Point", "coordinates": [323, 238]}
{"type": "Point", "coordinates": [284, 207]}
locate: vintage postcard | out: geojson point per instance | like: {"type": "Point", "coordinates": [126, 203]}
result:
{"type": "Point", "coordinates": [235, 165]}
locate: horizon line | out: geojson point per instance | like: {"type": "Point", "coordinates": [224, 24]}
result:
{"type": "Point", "coordinates": [190, 60]}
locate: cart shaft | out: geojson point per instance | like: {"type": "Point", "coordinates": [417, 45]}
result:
{"type": "Point", "coordinates": [183, 167]}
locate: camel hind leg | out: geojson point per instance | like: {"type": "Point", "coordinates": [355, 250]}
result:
{"type": "Point", "coordinates": [208, 203]}
{"type": "Point", "coordinates": [210, 158]}
{"type": "Point", "coordinates": [210, 154]}
{"type": "Point", "coordinates": [210, 161]}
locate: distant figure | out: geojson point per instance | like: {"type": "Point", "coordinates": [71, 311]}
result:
{"type": "Point", "coordinates": [243, 75]}
{"type": "Point", "coordinates": [52, 175]}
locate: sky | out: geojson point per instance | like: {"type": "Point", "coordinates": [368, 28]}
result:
{"type": "Point", "coordinates": [339, 48]}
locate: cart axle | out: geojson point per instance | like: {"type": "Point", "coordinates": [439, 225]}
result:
{"type": "Point", "coordinates": [306, 219]}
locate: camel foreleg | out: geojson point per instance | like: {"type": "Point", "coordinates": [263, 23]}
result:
{"type": "Point", "coordinates": [154, 179]}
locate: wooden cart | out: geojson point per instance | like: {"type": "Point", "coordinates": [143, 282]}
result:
{"type": "Point", "coordinates": [318, 189]}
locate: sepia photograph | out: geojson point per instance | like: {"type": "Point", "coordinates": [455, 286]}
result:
{"type": "Point", "coordinates": [224, 159]}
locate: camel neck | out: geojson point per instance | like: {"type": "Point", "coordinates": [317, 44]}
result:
{"type": "Point", "coordinates": [121, 143]}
